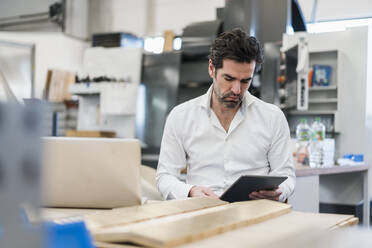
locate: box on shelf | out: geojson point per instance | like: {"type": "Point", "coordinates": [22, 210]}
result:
{"type": "Point", "coordinates": [321, 75]}
{"type": "Point", "coordinates": [87, 133]}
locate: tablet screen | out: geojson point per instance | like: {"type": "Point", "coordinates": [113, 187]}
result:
{"type": "Point", "coordinates": [241, 188]}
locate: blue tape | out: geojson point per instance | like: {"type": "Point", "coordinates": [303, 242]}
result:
{"type": "Point", "coordinates": [72, 235]}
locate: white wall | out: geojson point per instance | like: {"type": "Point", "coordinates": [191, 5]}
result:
{"type": "Point", "coordinates": [53, 51]}
{"type": "Point", "coordinates": [337, 9]}
{"type": "Point", "coordinates": [151, 17]}
{"type": "Point", "coordinates": [76, 23]}
{"type": "Point", "coordinates": [176, 14]}
{"type": "Point", "coordinates": [130, 16]}
{"type": "Point", "coordinates": [119, 16]}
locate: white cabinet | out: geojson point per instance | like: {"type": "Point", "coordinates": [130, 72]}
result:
{"type": "Point", "coordinates": [345, 105]}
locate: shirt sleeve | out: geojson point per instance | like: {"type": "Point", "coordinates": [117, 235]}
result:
{"type": "Point", "coordinates": [172, 160]}
{"type": "Point", "coordinates": [280, 155]}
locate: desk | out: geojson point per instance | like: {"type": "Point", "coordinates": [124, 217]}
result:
{"type": "Point", "coordinates": [306, 196]}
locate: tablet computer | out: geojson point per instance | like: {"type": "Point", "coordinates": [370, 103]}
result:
{"type": "Point", "coordinates": [241, 188]}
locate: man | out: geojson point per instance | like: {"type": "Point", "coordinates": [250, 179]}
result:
{"type": "Point", "coordinates": [227, 132]}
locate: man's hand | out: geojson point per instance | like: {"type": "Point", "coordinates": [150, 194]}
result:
{"type": "Point", "coordinates": [266, 194]}
{"type": "Point", "coordinates": [199, 191]}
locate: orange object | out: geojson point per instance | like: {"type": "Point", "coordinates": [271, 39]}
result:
{"type": "Point", "coordinates": [281, 79]}
{"type": "Point", "coordinates": [310, 77]}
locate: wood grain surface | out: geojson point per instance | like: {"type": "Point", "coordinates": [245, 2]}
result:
{"type": "Point", "coordinates": [110, 245]}
{"type": "Point", "coordinates": [195, 226]}
{"type": "Point", "coordinates": [295, 229]}
{"type": "Point", "coordinates": [128, 215]}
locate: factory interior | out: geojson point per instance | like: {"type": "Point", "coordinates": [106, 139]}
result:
{"type": "Point", "coordinates": [174, 123]}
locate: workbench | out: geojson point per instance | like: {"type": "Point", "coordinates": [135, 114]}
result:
{"type": "Point", "coordinates": [203, 222]}
{"type": "Point", "coordinates": [330, 184]}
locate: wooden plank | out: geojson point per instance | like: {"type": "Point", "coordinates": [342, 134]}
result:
{"type": "Point", "coordinates": [128, 215]}
{"type": "Point", "coordinates": [348, 222]}
{"type": "Point", "coordinates": [61, 215]}
{"type": "Point", "coordinates": [289, 230]}
{"type": "Point", "coordinates": [57, 85]}
{"type": "Point", "coordinates": [168, 41]}
{"type": "Point", "coordinates": [109, 245]}
{"type": "Point", "coordinates": [187, 228]}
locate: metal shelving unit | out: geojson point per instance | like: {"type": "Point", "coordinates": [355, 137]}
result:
{"type": "Point", "coordinates": [323, 100]}
{"type": "Point", "coordinates": [323, 88]}
{"type": "Point", "coordinates": [311, 112]}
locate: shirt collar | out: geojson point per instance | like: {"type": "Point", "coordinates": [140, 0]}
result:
{"type": "Point", "coordinates": [206, 101]}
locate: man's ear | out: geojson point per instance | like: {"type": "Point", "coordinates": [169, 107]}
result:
{"type": "Point", "coordinates": [211, 69]}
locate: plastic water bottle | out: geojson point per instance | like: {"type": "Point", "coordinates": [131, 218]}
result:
{"type": "Point", "coordinates": [303, 138]}
{"type": "Point", "coordinates": [317, 148]}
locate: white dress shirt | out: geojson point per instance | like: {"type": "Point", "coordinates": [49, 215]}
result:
{"type": "Point", "coordinates": [257, 143]}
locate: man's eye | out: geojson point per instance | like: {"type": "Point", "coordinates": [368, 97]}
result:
{"type": "Point", "coordinates": [245, 81]}
{"type": "Point", "coordinates": [229, 79]}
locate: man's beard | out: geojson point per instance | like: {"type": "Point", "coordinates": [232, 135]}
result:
{"type": "Point", "coordinates": [229, 103]}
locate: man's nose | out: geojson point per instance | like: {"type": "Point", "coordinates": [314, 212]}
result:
{"type": "Point", "coordinates": [236, 87]}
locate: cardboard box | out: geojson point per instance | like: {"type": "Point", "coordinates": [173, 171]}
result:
{"type": "Point", "coordinates": [57, 87]}
{"type": "Point", "coordinates": [86, 133]}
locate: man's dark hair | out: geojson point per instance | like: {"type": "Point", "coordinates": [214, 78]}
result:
{"type": "Point", "coordinates": [238, 46]}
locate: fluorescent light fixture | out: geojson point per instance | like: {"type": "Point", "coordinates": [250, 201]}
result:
{"type": "Point", "coordinates": [154, 45]}
{"type": "Point", "coordinates": [158, 45]}
{"type": "Point", "coordinates": [148, 44]}
{"type": "Point", "coordinates": [177, 43]}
